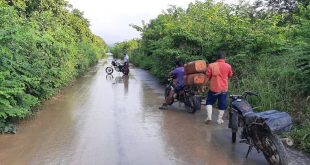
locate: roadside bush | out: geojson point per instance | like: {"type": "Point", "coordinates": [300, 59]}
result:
{"type": "Point", "coordinates": [43, 46]}
{"type": "Point", "coordinates": [268, 49]}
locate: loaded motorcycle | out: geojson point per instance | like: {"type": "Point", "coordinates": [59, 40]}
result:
{"type": "Point", "coordinates": [194, 80]}
{"type": "Point", "coordinates": [118, 67]}
{"type": "Point", "coordinates": [259, 130]}
{"type": "Point", "coordinates": [189, 95]}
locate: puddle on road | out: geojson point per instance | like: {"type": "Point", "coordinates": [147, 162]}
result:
{"type": "Point", "coordinates": [115, 120]}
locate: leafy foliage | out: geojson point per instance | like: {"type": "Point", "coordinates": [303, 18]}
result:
{"type": "Point", "coordinates": [121, 48]}
{"type": "Point", "coordinates": [43, 46]}
{"type": "Point", "coordinates": [268, 48]}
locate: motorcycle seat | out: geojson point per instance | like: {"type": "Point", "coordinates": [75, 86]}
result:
{"type": "Point", "coordinates": [255, 117]}
{"type": "Point", "coordinates": [275, 120]}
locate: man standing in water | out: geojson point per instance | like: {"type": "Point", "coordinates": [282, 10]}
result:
{"type": "Point", "coordinates": [126, 58]}
{"type": "Point", "coordinates": [218, 73]}
{"type": "Point", "coordinates": [126, 64]}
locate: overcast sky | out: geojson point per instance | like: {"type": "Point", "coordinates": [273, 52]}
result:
{"type": "Point", "coordinates": [110, 19]}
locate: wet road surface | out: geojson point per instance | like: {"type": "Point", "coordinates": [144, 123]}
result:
{"type": "Point", "coordinates": [116, 121]}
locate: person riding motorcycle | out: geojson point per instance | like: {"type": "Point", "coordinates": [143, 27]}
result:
{"type": "Point", "coordinates": [178, 73]}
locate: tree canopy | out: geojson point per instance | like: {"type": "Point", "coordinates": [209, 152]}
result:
{"type": "Point", "coordinates": [267, 44]}
{"type": "Point", "coordinates": [44, 44]}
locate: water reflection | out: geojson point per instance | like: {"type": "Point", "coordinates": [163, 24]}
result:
{"type": "Point", "coordinates": [126, 81]}
{"type": "Point", "coordinates": [109, 77]}
{"type": "Point", "coordinates": [118, 79]}
{"type": "Point", "coordinates": [99, 121]}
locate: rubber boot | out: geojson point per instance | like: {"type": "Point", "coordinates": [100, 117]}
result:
{"type": "Point", "coordinates": [209, 113]}
{"type": "Point", "coordinates": [220, 117]}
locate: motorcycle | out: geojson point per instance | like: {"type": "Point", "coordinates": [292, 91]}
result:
{"type": "Point", "coordinates": [259, 130]}
{"type": "Point", "coordinates": [189, 95]}
{"type": "Point", "coordinates": [118, 67]}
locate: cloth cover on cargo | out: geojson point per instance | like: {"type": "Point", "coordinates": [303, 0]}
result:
{"type": "Point", "coordinates": [276, 121]}
{"type": "Point", "coordinates": [199, 66]}
{"type": "Point", "coordinates": [195, 79]}
{"type": "Point", "coordinates": [194, 73]}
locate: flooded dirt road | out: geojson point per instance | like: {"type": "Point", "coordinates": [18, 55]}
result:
{"type": "Point", "coordinates": [116, 121]}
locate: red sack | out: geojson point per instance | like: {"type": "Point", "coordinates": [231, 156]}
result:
{"type": "Point", "coordinates": [199, 66]}
{"type": "Point", "coordinates": [195, 79]}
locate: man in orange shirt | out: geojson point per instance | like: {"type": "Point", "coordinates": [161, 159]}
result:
{"type": "Point", "coordinates": [218, 74]}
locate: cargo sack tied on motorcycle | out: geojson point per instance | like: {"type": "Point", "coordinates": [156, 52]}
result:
{"type": "Point", "coordinates": [275, 121]}
{"type": "Point", "coordinates": [199, 66]}
{"type": "Point", "coordinates": [195, 79]}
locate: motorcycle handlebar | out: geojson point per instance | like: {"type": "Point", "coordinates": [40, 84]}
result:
{"type": "Point", "coordinates": [235, 96]}
{"type": "Point", "coordinates": [249, 93]}
{"type": "Point", "coordinates": [244, 95]}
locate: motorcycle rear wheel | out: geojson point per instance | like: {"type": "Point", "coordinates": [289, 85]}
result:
{"type": "Point", "coordinates": [274, 150]}
{"type": "Point", "coordinates": [193, 103]}
{"type": "Point", "coordinates": [109, 70]}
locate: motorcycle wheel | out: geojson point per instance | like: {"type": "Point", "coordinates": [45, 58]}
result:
{"type": "Point", "coordinates": [197, 103]}
{"type": "Point", "coordinates": [193, 104]}
{"type": "Point", "coordinates": [274, 150]}
{"type": "Point", "coordinates": [233, 124]}
{"type": "Point", "coordinates": [109, 70]}
{"type": "Point", "coordinates": [169, 99]}
{"type": "Point", "coordinates": [233, 137]}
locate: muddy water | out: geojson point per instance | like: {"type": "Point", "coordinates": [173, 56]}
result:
{"type": "Point", "coordinates": [115, 120]}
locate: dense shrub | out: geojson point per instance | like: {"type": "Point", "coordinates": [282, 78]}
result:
{"type": "Point", "coordinates": [267, 45]}
{"type": "Point", "coordinates": [119, 49]}
{"type": "Point", "coordinates": [43, 46]}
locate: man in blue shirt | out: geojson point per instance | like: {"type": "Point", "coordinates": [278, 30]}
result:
{"type": "Point", "coordinates": [178, 72]}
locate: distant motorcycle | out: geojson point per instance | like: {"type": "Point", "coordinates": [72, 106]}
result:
{"type": "Point", "coordinates": [259, 130]}
{"type": "Point", "coordinates": [189, 96]}
{"type": "Point", "coordinates": [118, 67]}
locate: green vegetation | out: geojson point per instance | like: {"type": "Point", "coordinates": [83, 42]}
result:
{"type": "Point", "coordinates": [119, 49]}
{"type": "Point", "coordinates": [44, 44]}
{"type": "Point", "coordinates": [267, 44]}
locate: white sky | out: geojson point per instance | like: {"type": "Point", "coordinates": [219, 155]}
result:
{"type": "Point", "coordinates": [110, 19]}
